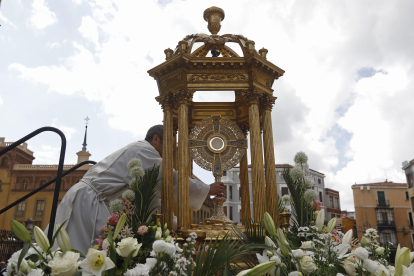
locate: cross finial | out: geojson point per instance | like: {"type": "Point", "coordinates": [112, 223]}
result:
{"type": "Point", "coordinates": [87, 119]}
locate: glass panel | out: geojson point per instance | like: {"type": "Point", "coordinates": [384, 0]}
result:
{"type": "Point", "coordinates": [410, 219]}
{"type": "Point", "coordinates": [285, 191]}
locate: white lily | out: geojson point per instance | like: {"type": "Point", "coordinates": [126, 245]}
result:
{"type": "Point", "coordinates": [408, 271]}
{"type": "Point", "coordinates": [264, 259]}
{"type": "Point", "coordinates": [402, 258]}
{"type": "Point", "coordinates": [95, 263]}
{"type": "Point", "coordinates": [281, 241]}
{"type": "Point", "coordinates": [341, 250]}
{"type": "Point", "coordinates": [320, 219]}
{"type": "Point", "coordinates": [347, 239]}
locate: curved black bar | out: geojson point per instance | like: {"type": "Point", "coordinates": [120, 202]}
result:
{"type": "Point", "coordinates": [45, 185]}
{"type": "Point", "coordinates": [59, 172]}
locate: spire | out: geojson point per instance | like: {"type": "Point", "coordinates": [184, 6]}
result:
{"type": "Point", "coordinates": [86, 131]}
{"type": "Point", "coordinates": [83, 155]}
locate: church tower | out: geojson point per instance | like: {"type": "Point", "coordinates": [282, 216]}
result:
{"type": "Point", "coordinates": [84, 155]}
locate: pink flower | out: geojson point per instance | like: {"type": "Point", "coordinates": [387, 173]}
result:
{"type": "Point", "coordinates": [317, 205]}
{"type": "Point", "coordinates": [335, 236]}
{"type": "Point", "coordinates": [113, 220]}
{"type": "Point", "coordinates": [99, 241]}
{"type": "Point", "coordinates": [142, 230]}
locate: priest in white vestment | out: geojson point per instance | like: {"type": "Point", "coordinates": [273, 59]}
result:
{"type": "Point", "coordinates": [85, 205]}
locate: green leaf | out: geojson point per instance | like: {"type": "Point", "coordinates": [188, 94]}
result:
{"type": "Point", "coordinates": [22, 254]}
{"type": "Point", "coordinates": [34, 258]}
{"type": "Point", "coordinates": [128, 261]}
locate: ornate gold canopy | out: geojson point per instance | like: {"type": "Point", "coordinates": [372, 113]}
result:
{"type": "Point", "coordinates": [250, 76]}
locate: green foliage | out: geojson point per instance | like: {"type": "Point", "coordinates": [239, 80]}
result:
{"type": "Point", "coordinates": [254, 231]}
{"type": "Point", "coordinates": [302, 211]}
{"type": "Point", "coordinates": [145, 193]}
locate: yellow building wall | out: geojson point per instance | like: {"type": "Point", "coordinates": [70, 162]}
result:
{"type": "Point", "coordinates": [365, 211]}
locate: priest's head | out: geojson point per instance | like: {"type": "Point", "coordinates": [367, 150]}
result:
{"type": "Point", "coordinates": [154, 137]}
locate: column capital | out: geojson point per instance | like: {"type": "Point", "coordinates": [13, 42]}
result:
{"type": "Point", "coordinates": [183, 96]}
{"type": "Point", "coordinates": [167, 102]}
{"type": "Point", "coordinates": [251, 96]}
{"type": "Point", "coordinates": [267, 101]}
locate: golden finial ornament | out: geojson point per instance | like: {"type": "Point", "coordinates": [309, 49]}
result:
{"type": "Point", "coordinates": [214, 16]}
{"type": "Point", "coordinates": [286, 220]}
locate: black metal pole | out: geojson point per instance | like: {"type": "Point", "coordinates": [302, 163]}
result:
{"type": "Point", "coordinates": [45, 185]}
{"type": "Point", "coordinates": [59, 172]}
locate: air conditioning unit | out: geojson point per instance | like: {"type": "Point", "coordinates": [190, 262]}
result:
{"type": "Point", "coordinates": [362, 187]}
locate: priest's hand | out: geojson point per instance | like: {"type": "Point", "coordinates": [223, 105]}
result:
{"type": "Point", "coordinates": [217, 189]}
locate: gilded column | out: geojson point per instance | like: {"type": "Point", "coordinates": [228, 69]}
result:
{"type": "Point", "coordinates": [267, 102]}
{"type": "Point", "coordinates": [258, 186]}
{"type": "Point", "coordinates": [183, 96]}
{"type": "Point", "coordinates": [167, 103]}
{"type": "Point", "coordinates": [244, 184]}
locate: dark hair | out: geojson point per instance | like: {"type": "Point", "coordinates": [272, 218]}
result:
{"type": "Point", "coordinates": [157, 129]}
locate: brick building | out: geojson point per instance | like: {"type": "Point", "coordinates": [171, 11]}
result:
{"type": "Point", "coordinates": [332, 204]}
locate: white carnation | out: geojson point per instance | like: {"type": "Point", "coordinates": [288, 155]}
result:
{"type": "Point", "coordinates": [361, 253]}
{"type": "Point", "coordinates": [298, 253]}
{"type": "Point", "coordinates": [127, 245]}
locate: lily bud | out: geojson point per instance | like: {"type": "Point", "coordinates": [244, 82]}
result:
{"type": "Point", "coordinates": [379, 250]}
{"type": "Point", "coordinates": [31, 264]}
{"type": "Point", "coordinates": [269, 254]}
{"type": "Point", "coordinates": [166, 233]}
{"type": "Point", "coordinates": [168, 239]}
{"type": "Point", "coordinates": [331, 225]}
{"type": "Point", "coordinates": [41, 239]}
{"type": "Point", "coordinates": [23, 268]}
{"type": "Point", "coordinates": [269, 224]}
{"type": "Point", "coordinates": [63, 239]}
{"type": "Point", "coordinates": [269, 242]}
{"type": "Point", "coordinates": [157, 235]}
{"type": "Point", "coordinates": [20, 231]}
{"type": "Point", "coordinates": [120, 225]}
{"type": "Point", "coordinates": [402, 257]}
{"type": "Point", "coordinates": [364, 242]}
{"type": "Point", "coordinates": [262, 269]}
{"type": "Point", "coordinates": [282, 243]}
{"type": "Point", "coordinates": [320, 219]}
{"type": "Point", "coordinates": [347, 237]}
{"type": "Point", "coordinates": [165, 226]}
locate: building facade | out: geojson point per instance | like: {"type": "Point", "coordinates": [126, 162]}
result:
{"type": "Point", "coordinates": [408, 168]}
{"type": "Point", "coordinates": [332, 204]}
{"type": "Point", "coordinates": [384, 206]}
{"type": "Point", "coordinates": [18, 177]}
{"type": "Point", "coordinates": [231, 179]}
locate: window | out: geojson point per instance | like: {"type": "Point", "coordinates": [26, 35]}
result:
{"type": "Point", "coordinates": [319, 181]}
{"type": "Point", "coordinates": [205, 214]}
{"type": "Point", "coordinates": [333, 216]}
{"type": "Point", "coordinates": [22, 206]}
{"type": "Point", "coordinates": [320, 197]}
{"type": "Point", "coordinates": [225, 173]}
{"type": "Point", "coordinates": [412, 203]}
{"type": "Point", "coordinates": [331, 202]}
{"type": "Point", "coordinates": [5, 162]}
{"type": "Point", "coordinates": [410, 219]}
{"type": "Point", "coordinates": [231, 213]}
{"type": "Point", "coordinates": [40, 205]}
{"type": "Point", "coordinates": [410, 179]}
{"type": "Point", "coordinates": [198, 216]}
{"type": "Point", "coordinates": [24, 184]}
{"type": "Point", "coordinates": [231, 192]}
{"type": "Point", "coordinates": [337, 203]}
{"type": "Point", "coordinates": [42, 182]}
{"type": "Point", "coordinates": [388, 236]}
{"type": "Point", "coordinates": [381, 198]}
{"type": "Point", "coordinates": [38, 224]}
{"type": "Point", "coordinates": [385, 217]}
{"type": "Point", "coordinates": [406, 195]}
{"type": "Point", "coordinates": [225, 210]}
{"type": "Point", "coordinates": [285, 191]}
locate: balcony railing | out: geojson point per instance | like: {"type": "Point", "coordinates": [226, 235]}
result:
{"type": "Point", "coordinates": [385, 203]}
{"type": "Point", "coordinates": [385, 223]}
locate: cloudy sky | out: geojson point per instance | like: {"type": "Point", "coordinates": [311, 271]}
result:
{"type": "Point", "coordinates": [345, 97]}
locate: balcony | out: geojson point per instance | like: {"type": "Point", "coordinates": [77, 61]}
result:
{"type": "Point", "coordinates": [383, 203]}
{"type": "Point", "coordinates": [384, 223]}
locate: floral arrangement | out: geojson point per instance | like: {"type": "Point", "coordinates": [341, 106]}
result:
{"type": "Point", "coordinates": [132, 243]}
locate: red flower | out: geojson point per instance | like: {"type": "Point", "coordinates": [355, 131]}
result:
{"type": "Point", "coordinates": [113, 220]}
